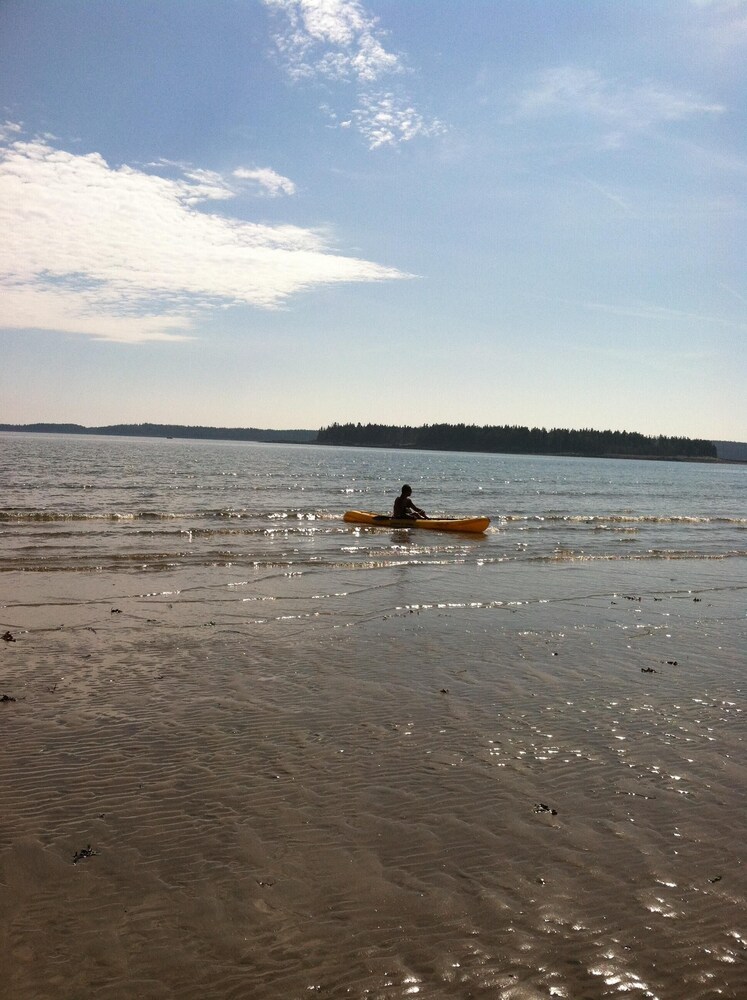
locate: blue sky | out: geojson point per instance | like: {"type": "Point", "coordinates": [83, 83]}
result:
{"type": "Point", "coordinates": [282, 213]}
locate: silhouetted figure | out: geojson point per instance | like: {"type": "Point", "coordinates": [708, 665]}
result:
{"type": "Point", "coordinates": [404, 508]}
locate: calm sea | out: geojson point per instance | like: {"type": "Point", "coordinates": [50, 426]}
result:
{"type": "Point", "coordinates": [82, 503]}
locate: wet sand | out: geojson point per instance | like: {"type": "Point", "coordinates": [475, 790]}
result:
{"type": "Point", "coordinates": [520, 782]}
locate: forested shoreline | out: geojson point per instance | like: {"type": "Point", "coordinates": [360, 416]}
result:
{"type": "Point", "coordinates": [196, 432]}
{"type": "Point", "coordinates": [507, 439]}
{"type": "Point", "coordinates": [517, 440]}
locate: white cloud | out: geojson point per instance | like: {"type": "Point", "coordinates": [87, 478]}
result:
{"type": "Point", "coordinates": [39, 306]}
{"type": "Point", "coordinates": [338, 41]}
{"type": "Point", "coordinates": [333, 38]}
{"type": "Point", "coordinates": [385, 120]}
{"type": "Point", "coordinates": [122, 254]}
{"type": "Point", "coordinates": [570, 90]}
{"type": "Point", "coordinates": [9, 130]}
{"type": "Point", "coordinates": [266, 180]}
{"type": "Point", "coordinates": [205, 185]}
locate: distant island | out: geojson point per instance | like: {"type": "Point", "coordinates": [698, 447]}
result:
{"type": "Point", "coordinates": [518, 441]}
{"type": "Point", "coordinates": [435, 437]}
{"type": "Point", "coordinates": [172, 431]}
{"type": "Point", "coordinates": [731, 451]}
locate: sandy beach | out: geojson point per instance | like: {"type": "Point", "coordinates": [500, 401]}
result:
{"type": "Point", "coordinates": [523, 782]}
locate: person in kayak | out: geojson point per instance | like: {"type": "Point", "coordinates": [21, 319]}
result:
{"type": "Point", "coordinates": [404, 508]}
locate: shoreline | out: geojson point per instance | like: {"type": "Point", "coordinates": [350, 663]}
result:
{"type": "Point", "coordinates": [100, 432]}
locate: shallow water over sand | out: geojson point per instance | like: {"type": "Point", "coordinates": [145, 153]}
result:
{"type": "Point", "coordinates": [405, 770]}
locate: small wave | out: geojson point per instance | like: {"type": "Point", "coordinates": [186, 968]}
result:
{"type": "Point", "coordinates": [38, 515]}
{"type": "Point", "coordinates": [66, 517]}
{"type": "Point", "coordinates": [650, 554]}
{"type": "Point", "coordinates": [601, 520]}
{"type": "Point", "coordinates": [30, 516]}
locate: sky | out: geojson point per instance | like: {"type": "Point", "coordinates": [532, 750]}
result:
{"type": "Point", "coordinates": [285, 213]}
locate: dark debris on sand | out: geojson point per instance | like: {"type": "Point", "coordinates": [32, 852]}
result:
{"type": "Point", "coordinates": [540, 807]}
{"type": "Point", "coordinates": [85, 852]}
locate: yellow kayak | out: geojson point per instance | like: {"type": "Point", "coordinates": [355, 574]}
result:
{"type": "Point", "coordinates": [472, 524]}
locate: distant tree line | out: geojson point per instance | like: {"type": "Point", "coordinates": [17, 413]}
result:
{"type": "Point", "coordinates": [171, 431]}
{"type": "Point", "coordinates": [516, 440]}
{"type": "Point", "coordinates": [731, 451]}
{"type": "Point", "coordinates": [436, 437]}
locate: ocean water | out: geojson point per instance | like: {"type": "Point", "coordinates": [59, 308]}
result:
{"type": "Point", "coordinates": [71, 502]}
{"type": "Point", "coordinates": [252, 751]}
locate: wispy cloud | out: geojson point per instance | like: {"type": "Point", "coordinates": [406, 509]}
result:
{"type": "Point", "coordinates": [209, 185]}
{"type": "Point", "coordinates": [624, 108]}
{"type": "Point", "coordinates": [266, 180]}
{"type": "Point", "coordinates": [125, 254]}
{"type": "Point", "coordinates": [661, 313]}
{"type": "Point", "coordinates": [338, 41]}
{"type": "Point", "coordinates": [721, 4]}
{"type": "Point", "coordinates": [733, 292]}
{"type": "Point", "coordinates": [385, 120]}
{"type": "Point", "coordinates": [616, 199]}
{"type": "Point", "coordinates": [723, 23]}
{"type": "Point", "coordinates": [9, 130]}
